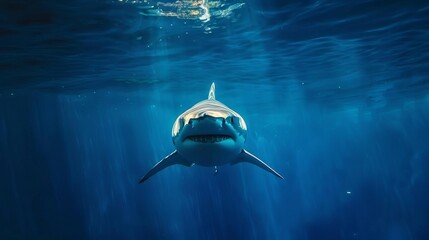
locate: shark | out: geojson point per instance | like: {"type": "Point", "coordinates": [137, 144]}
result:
{"type": "Point", "coordinates": [209, 134]}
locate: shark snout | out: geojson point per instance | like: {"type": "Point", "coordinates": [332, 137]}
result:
{"type": "Point", "coordinates": [207, 128]}
{"type": "Point", "coordinates": [207, 121]}
{"type": "Point", "coordinates": [213, 120]}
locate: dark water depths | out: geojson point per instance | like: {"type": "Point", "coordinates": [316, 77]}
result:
{"type": "Point", "coordinates": [334, 93]}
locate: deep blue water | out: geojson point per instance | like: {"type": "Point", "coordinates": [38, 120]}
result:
{"type": "Point", "coordinates": [335, 95]}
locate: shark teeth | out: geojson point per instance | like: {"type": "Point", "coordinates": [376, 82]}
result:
{"type": "Point", "coordinates": [209, 138]}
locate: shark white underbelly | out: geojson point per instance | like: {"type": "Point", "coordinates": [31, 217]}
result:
{"type": "Point", "coordinates": [209, 134]}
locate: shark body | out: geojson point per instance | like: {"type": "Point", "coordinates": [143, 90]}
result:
{"type": "Point", "coordinates": [209, 134]}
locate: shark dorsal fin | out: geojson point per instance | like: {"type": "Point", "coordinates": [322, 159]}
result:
{"type": "Point", "coordinates": [212, 92]}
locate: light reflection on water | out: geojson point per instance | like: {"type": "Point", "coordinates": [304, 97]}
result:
{"type": "Point", "coordinates": [201, 11]}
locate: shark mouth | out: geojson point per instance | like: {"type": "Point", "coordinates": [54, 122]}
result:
{"type": "Point", "coordinates": [209, 138]}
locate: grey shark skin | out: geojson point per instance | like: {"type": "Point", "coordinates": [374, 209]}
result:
{"type": "Point", "coordinates": [209, 134]}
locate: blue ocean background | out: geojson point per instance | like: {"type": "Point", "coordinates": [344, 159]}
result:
{"type": "Point", "coordinates": [335, 95]}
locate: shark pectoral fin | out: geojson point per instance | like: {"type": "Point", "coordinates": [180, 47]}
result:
{"type": "Point", "coordinates": [173, 158]}
{"type": "Point", "coordinates": [245, 156]}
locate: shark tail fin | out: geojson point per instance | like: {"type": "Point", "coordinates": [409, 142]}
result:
{"type": "Point", "coordinates": [245, 156]}
{"type": "Point", "coordinates": [173, 158]}
{"type": "Point", "coordinates": [212, 92]}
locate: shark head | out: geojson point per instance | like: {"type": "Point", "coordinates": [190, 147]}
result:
{"type": "Point", "coordinates": [209, 133]}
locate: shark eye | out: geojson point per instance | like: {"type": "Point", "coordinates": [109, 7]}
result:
{"type": "Point", "coordinates": [233, 120]}
{"type": "Point", "coordinates": [181, 122]}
